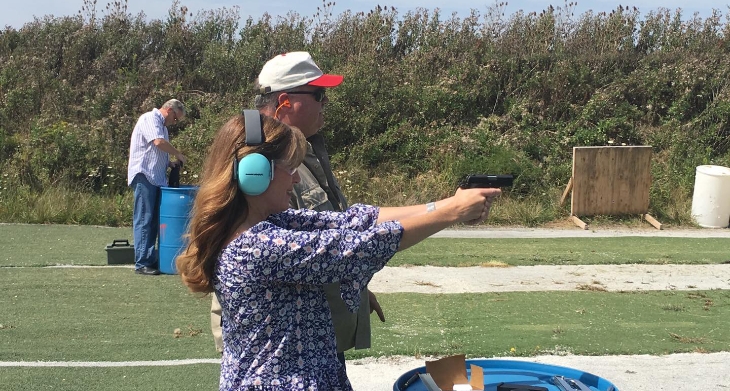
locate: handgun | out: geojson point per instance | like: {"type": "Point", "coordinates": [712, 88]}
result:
{"type": "Point", "coordinates": [486, 181]}
{"type": "Point", "coordinates": [519, 387]}
{"type": "Point", "coordinates": [566, 384]}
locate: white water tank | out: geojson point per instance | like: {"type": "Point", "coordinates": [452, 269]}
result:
{"type": "Point", "coordinates": [711, 198]}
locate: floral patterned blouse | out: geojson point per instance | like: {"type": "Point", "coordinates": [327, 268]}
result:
{"type": "Point", "coordinates": [277, 329]}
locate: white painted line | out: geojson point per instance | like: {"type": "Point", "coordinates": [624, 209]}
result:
{"type": "Point", "coordinates": [58, 266]}
{"type": "Point", "coordinates": [88, 266]}
{"type": "Point", "coordinates": [108, 364]}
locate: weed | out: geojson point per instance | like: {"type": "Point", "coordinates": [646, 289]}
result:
{"type": "Point", "coordinates": [673, 307]}
{"type": "Point", "coordinates": [687, 340]}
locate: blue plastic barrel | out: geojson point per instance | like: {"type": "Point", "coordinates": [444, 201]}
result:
{"type": "Point", "coordinates": [175, 206]}
{"type": "Point", "coordinates": [512, 372]}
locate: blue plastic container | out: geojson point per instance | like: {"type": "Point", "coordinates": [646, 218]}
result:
{"type": "Point", "coordinates": [513, 372]}
{"type": "Point", "coordinates": [175, 206]}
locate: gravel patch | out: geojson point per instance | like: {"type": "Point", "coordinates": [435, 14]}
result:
{"type": "Point", "coordinates": [612, 278]}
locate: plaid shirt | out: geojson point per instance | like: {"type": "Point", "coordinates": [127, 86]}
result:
{"type": "Point", "coordinates": [144, 156]}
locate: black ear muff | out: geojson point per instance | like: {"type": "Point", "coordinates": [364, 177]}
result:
{"type": "Point", "coordinates": [254, 172]}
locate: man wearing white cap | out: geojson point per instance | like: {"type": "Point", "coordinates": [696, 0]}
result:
{"type": "Point", "coordinates": [292, 89]}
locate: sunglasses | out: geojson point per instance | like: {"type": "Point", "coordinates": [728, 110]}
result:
{"type": "Point", "coordinates": [318, 94]}
{"type": "Point", "coordinates": [282, 165]}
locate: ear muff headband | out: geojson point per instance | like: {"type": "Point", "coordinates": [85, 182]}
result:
{"type": "Point", "coordinates": [254, 172]}
{"type": "Point", "coordinates": [254, 131]}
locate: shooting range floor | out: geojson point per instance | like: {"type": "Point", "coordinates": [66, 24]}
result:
{"type": "Point", "coordinates": [689, 371]}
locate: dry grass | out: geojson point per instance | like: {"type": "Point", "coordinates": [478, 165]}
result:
{"type": "Point", "coordinates": [708, 303]}
{"type": "Point", "coordinates": [59, 205]}
{"type": "Point", "coordinates": [696, 295]}
{"type": "Point", "coordinates": [191, 332]}
{"type": "Point", "coordinates": [688, 340]}
{"type": "Point", "coordinates": [494, 264]}
{"type": "Point", "coordinates": [427, 283]}
{"type": "Point", "coordinates": [593, 288]}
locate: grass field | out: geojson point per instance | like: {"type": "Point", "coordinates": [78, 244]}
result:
{"type": "Point", "coordinates": [109, 314]}
{"type": "Point", "coordinates": [48, 245]}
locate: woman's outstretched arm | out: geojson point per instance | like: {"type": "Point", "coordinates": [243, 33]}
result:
{"type": "Point", "coordinates": [420, 221]}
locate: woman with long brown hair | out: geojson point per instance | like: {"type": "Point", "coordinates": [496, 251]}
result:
{"type": "Point", "coordinates": [267, 263]}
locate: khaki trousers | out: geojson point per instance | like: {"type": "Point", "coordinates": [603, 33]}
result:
{"type": "Point", "coordinates": [215, 323]}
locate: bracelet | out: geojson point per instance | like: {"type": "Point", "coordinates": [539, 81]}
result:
{"type": "Point", "coordinates": [430, 207]}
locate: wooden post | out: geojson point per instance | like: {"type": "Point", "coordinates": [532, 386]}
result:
{"type": "Point", "coordinates": [580, 223]}
{"type": "Point", "coordinates": [651, 220]}
{"type": "Point", "coordinates": [567, 191]}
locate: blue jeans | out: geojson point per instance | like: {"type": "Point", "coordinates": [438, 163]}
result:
{"type": "Point", "coordinates": [145, 221]}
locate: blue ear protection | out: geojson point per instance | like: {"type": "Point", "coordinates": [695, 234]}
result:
{"type": "Point", "coordinates": [254, 172]}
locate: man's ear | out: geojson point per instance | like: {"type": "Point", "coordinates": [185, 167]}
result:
{"type": "Point", "coordinates": [284, 100]}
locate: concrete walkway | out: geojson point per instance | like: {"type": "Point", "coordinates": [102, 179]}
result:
{"type": "Point", "coordinates": [522, 233]}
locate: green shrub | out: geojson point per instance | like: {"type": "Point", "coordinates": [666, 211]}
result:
{"type": "Point", "coordinates": [427, 98]}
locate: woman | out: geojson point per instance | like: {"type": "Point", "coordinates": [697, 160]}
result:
{"type": "Point", "coordinates": [267, 263]}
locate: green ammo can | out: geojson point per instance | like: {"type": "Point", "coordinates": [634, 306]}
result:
{"type": "Point", "coordinates": [119, 252]}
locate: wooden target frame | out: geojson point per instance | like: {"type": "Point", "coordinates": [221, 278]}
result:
{"type": "Point", "coordinates": [610, 181]}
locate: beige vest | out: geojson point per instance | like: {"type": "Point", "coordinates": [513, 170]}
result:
{"type": "Point", "coordinates": [319, 190]}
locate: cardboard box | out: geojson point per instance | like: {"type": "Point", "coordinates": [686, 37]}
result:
{"type": "Point", "coordinates": [119, 252]}
{"type": "Point", "coordinates": [449, 374]}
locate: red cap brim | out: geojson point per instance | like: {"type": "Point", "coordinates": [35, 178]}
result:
{"type": "Point", "coordinates": [327, 80]}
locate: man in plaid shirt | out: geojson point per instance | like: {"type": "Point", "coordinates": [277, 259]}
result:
{"type": "Point", "coordinates": [149, 158]}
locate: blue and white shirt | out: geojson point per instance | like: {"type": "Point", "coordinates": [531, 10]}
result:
{"type": "Point", "coordinates": [144, 156]}
{"type": "Point", "coordinates": [277, 327]}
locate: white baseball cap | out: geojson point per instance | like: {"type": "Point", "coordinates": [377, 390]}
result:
{"type": "Point", "coordinates": [294, 69]}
